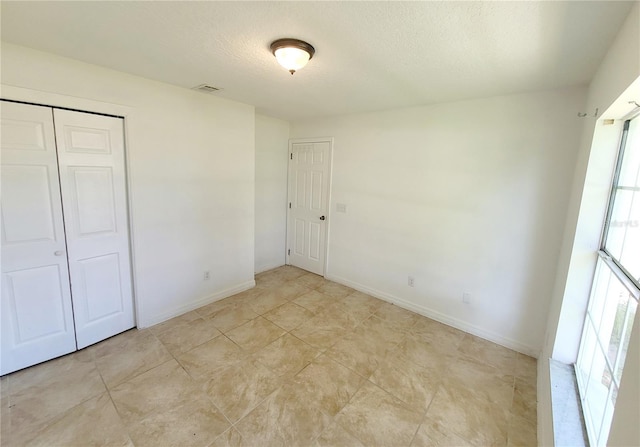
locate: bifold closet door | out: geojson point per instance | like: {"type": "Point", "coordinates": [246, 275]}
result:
{"type": "Point", "coordinates": [66, 278]}
{"type": "Point", "coordinates": [37, 318]}
{"type": "Point", "coordinates": [93, 185]}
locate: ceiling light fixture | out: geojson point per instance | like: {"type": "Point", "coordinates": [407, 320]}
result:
{"type": "Point", "coordinates": [292, 54]}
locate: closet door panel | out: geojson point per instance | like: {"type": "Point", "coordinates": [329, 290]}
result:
{"type": "Point", "coordinates": [37, 317]}
{"type": "Point", "coordinates": [92, 173]}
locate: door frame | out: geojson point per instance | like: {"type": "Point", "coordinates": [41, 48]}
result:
{"type": "Point", "coordinates": [55, 100]}
{"type": "Point", "coordinates": [292, 141]}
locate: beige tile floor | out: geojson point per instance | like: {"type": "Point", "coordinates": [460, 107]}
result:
{"type": "Point", "coordinates": [296, 361]}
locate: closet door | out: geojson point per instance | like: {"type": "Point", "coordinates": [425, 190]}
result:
{"type": "Point", "coordinates": [37, 318]}
{"type": "Point", "coordinates": [92, 180]}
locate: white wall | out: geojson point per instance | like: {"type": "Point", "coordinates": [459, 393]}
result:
{"type": "Point", "coordinates": [468, 196]}
{"type": "Point", "coordinates": [619, 69]}
{"type": "Point", "coordinates": [191, 162]}
{"type": "Point", "coordinates": [272, 140]}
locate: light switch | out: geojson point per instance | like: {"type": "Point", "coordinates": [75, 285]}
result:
{"type": "Point", "coordinates": [341, 207]}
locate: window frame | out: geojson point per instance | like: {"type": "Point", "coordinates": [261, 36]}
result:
{"type": "Point", "coordinates": [632, 285]}
{"type": "Point", "coordinates": [616, 266]}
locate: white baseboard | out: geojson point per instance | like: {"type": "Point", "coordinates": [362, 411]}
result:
{"type": "Point", "coordinates": [196, 304]}
{"type": "Point", "coordinates": [442, 318]}
{"type": "Point", "coordinates": [267, 267]}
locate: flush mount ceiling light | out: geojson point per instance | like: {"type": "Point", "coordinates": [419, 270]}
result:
{"type": "Point", "coordinates": [292, 54]}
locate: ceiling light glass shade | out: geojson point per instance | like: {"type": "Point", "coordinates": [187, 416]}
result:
{"type": "Point", "coordinates": [292, 58]}
{"type": "Point", "coordinates": [292, 54]}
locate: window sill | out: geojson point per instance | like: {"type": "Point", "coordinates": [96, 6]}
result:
{"type": "Point", "coordinates": [568, 422]}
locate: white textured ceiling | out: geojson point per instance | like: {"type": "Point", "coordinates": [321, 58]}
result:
{"type": "Point", "coordinates": [369, 55]}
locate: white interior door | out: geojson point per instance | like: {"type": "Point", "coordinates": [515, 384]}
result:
{"type": "Point", "coordinates": [92, 180]}
{"type": "Point", "coordinates": [37, 317]}
{"type": "Point", "coordinates": [309, 165]}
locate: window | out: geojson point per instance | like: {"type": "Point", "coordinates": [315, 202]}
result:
{"type": "Point", "coordinates": [614, 293]}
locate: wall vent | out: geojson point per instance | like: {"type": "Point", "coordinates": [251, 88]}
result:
{"type": "Point", "coordinates": [206, 88]}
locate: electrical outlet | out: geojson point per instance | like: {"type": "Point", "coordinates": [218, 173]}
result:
{"type": "Point", "coordinates": [410, 281]}
{"type": "Point", "coordinates": [207, 275]}
{"type": "Point", "coordinates": [466, 298]}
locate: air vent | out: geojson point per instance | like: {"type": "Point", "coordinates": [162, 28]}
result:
{"type": "Point", "coordinates": [206, 88]}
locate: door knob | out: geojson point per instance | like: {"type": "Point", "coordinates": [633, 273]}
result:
{"type": "Point", "coordinates": [322, 217]}
{"type": "Point", "coordinates": [58, 252]}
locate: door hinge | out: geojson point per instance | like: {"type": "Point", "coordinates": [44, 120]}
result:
{"type": "Point", "coordinates": [289, 252]}
{"type": "Point", "coordinates": [289, 205]}
{"type": "Point", "coordinates": [291, 155]}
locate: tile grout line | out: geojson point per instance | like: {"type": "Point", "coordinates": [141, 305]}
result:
{"type": "Point", "coordinates": [206, 395]}
{"type": "Point", "coordinates": [46, 423]}
{"type": "Point", "coordinates": [426, 411]}
{"type": "Point", "coordinates": [115, 407]}
{"type": "Point", "coordinates": [335, 416]}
